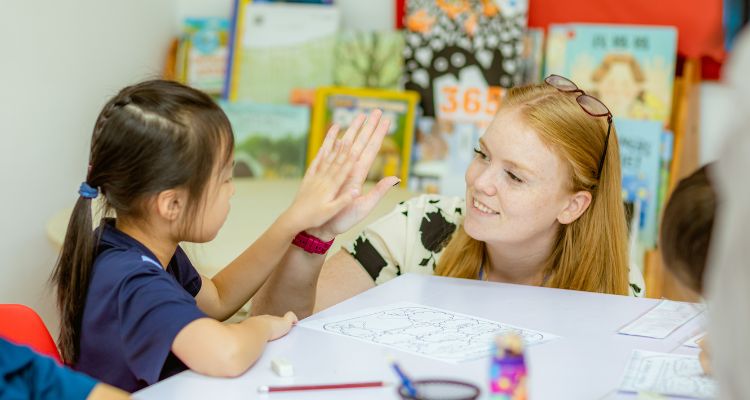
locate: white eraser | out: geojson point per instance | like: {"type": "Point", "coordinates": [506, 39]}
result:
{"type": "Point", "coordinates": [282, 367]}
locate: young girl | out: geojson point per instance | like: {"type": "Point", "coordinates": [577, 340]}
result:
{"type": "Point", "coordinates": [134, 309]}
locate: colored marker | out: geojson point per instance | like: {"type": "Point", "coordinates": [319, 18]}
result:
{"type": "Point", "coordinates": [410, 390]}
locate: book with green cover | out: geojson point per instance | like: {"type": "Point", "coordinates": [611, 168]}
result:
{"type": "Point", "coordinates": [270, 139]}
{"type": "Point", "coordinates": [369, 59]}
{"type": "Point", "coordinates": [278, 47]}
{"type": "Point", "coordinates": [340, 105]}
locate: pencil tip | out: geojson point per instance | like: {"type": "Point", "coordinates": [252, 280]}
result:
{"type": "Point", "coordinates": [263, 389]}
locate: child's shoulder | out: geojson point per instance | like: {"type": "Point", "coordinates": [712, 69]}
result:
{"type": "Point", "coordinates": [120, 254]}
{"type": "Point", "coordinates": [124, 262]}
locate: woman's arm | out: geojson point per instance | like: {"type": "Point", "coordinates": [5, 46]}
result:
{"type": "Point", "coordinates": [342, 277]}
{"type": "Point", "coordinates": [215, 349]}
{"type": "Point", "coordinates": [292, 284]}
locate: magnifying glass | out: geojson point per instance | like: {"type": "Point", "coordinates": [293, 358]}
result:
{"type": "Point", "coordinates": [440, 389]}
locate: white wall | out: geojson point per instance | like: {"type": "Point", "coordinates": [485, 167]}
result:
{"type": "Point", "coordinates": [202, 8]}
{"type": "Point", "coordinates": [59, 62]}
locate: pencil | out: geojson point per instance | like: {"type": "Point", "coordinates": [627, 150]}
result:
{"type": "Point", "coordinates": [354, 385]}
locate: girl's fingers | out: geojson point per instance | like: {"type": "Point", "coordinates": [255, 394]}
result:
{"type": "Point", "coordinates": [352, 134]}
{"type": "Point", "coordinates": [342, 164]}
{"type": "Point", "coordinates": [368, 154]}
{"type": "Point", "coordinates": [325, 147]}
{"type": "Point", "coordinates": [330, 138]}
{"type": "Point", "coordinates": [344, 153]}
{"type": "Point", "coordinates": [291, 317]}
{"type": "Point", "coordinates": [375, 141]}
{"type": "Point", "coordinates": [338, 175]}
{"type": "Point", "coordinates": [351, 131]}
{"type": "Point", "coordinates": [365, 133]}
{"type": "Point", "coordinates": [340, 203]}
{"type": "Point", "coordinates": [327, 161]}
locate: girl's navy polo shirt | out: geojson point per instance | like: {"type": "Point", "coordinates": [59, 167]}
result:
{"type": "Point", "coordinates": [134, 309]}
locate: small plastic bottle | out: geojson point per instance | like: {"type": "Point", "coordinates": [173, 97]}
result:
{"type": "Point", "coordinates": [508, 369]}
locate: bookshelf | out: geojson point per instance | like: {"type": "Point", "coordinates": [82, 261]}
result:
{"type": "Point", "coordinates": [685, 121]}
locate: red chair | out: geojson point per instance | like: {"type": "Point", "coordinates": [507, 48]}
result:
{"type": "Point", "coordinates": [22, 325]}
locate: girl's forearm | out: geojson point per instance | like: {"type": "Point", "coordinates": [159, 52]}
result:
{"type": "Point", "coordinates": [215, 349]}
{"type": "Point", "coordinates": [242, 278]}
{"type": "Point", "coordinates": [250, 337]}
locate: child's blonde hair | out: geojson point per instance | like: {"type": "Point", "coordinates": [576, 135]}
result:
{"type": "Point", "coordinates": [591, 252]}
{"type": "Point", "coordinates": [150, 137]}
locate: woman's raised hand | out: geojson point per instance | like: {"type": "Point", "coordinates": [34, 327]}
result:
{"type": "Point", "coordinates": [330, 199]}
{"type": "Point", "coordinates": [362, 204]}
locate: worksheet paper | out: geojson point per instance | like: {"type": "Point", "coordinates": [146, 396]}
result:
{"type": "Point", "coordinates": [693, 341]}
{"type": "Point", "coordinates": [426, 331]}
{"type": "Point", "coordinates": [663, 319]}
{"type": "Point", "coordinates": [668, 375]}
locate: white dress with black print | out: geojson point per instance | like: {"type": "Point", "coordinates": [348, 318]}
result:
{"type": "Point", "coordinates": [411, 238]}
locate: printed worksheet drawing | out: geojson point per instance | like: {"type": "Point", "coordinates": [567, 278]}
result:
{"type": "Point", "coordinates": [693, 341]}
{"type": "Point", "coordinates": [668, 375]}
{"type": "Point", "coordinates": [662, 320]}
{"type": "Point", "coordinates": [426, 331]}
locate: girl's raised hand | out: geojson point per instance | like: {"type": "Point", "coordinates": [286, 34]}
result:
{"type": "Point", "coordinates": [368, 144]}
{"type": "Point", "coordinates": [333, 182]}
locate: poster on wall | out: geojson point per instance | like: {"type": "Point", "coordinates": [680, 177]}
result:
{"type": "Point", "coordinates": [467, 45]}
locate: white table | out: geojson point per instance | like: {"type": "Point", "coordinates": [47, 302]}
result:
{"type": "Point", "coordinates": [587, 362]}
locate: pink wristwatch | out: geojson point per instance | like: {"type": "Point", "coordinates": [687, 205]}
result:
{"type": "Point", "coordinates": [311, 244]}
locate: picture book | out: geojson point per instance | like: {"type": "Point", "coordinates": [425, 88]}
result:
{"type": "Point", "coordinates": [667, 148]}
{"type": "Point", "coordinates": [277, 47]}
{"type": "Point", "coordinates": [532, 58]}
{"type": "Point", "coordinates": [462, 141]}
{"type": "Point", "coordinates": [641, 158]}
{"type": "Point", "coordinates": [296, 1]}
{"type": "Point", "coordinates": [341, 105]}
{"type": "Point", "coordinates": [202, 54]}
{"type": "Point", "coordinates": [369, 59]}
{"type": "Point", "coordinates": [270, 139]}
{"type": "Point", "coordinates": [443, 150]}
{"type": "Point", "coordinates": [429, 155]}
{"type": "Point", "coordinates": [630, 68]}
{"type": "Point", "coordinates": [475, 40]}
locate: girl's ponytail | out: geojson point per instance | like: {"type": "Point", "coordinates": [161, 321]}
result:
{"type": "Point", "coordinates": [73, 271]}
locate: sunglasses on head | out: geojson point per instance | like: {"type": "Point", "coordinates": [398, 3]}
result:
{"type": "Point", "coordinates": [588, 103]}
